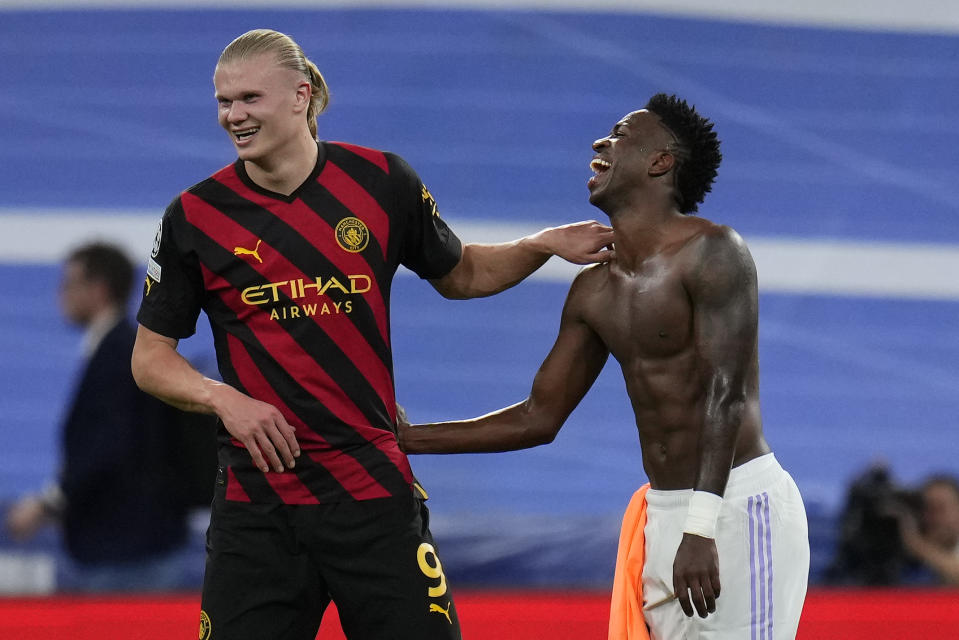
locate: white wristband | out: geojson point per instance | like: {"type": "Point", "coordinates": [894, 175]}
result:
{"type": "Point", "coordinates": [703, 514]}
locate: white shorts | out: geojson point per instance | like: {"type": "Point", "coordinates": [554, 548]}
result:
{"type": "Point", "coordinates": [763, 542]}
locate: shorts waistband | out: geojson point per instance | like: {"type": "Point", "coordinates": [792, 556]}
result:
{"type": "Point", "coordinates": [745, 480]}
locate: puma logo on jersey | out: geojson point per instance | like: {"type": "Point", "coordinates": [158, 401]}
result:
{"type": "Point", "coordinates": [149, 285]}
{"type": "Point", "coordinates": [445, 612]}
{"type": "Point", "coordinates": [240, 251]}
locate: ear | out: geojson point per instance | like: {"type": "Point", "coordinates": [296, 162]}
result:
{"type": "Point", "coordinates": [304, 93]}
{"type": "Point", "coordinates": [662, 164]}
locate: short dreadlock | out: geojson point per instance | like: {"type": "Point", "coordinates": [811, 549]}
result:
{"type": "Point", "coordinates": [697, 153]}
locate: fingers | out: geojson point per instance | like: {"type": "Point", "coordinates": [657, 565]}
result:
{"type": "Point", "coordinates": [401, 417]}
{"type": "Point", "coordinates": [288, 434]}
{"type": "Point", "coordinates": [261, 428]}
{"type": "Point", "coordinates": [583, 242]}
{"type": "Point", "coordinates": [591, 255]}
{"type": "Point", "coordinates": [704, 599]}
{"type": "Point", "coordinates": [592, 224]}
{"type": "Point", "coordinates": [278, 443]}
{"type": "Point", "coordinates": [265, 448]}
{"type": "Point", "coordinates": [272, 444]}
{"type": "Point", "coordinates": [698, 599]}
{"type": "Point", "coordinates": [603, 255]}
{"type": "Point", "coordinates": [683, 596]}
{"type": "Point", "coordinates": [697, 592]}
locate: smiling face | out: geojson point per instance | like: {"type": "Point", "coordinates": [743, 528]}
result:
{"type": "Point", "coordinates": [262, 105]}
{"type": "Point", "coordinates": [623, 160]}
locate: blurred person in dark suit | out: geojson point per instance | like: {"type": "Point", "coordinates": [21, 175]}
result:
{"type": "Point", "coordinates": [119, 497]}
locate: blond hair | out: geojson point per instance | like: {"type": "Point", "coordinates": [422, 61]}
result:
{"type": "Point", "coordinates": [288, 55]}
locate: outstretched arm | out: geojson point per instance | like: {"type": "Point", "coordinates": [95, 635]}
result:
{"type": "Point", "coordinates": [568, 372]}
{"type": "Point", "coordinates": [162, 372]}
{"type": "Point", "coordinates": [485, 269]}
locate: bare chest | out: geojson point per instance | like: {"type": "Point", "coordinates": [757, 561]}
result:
{"type": "Point", "coordinates": [644, 316]}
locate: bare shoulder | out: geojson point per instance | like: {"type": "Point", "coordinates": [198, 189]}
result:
{"type": "Point", "coordinates": [589, 283]}
{"type": "Point", "coordinates": [716, 256]}
{"type": "Point", "coordinates": [709, 240]}
{"type": "Point", "coordinates": [589, 278]}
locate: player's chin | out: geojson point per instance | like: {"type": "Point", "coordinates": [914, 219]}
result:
{"type": "Point", "coordinates": [596, 196]}
{"type": "Point", "coordinates": [247, 153]}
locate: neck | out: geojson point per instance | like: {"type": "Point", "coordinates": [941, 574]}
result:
{"type": "Point", "coordinates": [286, 171]}
{"type": "Point", "coordinates": [641, 231]}
{"type": "Point", "coordinates": [98, 326]}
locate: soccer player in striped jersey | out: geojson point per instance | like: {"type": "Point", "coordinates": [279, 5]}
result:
{"type": "Point", "coordinates": [290, 251]}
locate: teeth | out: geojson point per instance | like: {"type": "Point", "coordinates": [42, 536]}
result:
{"type": "Point", "coordinates": [598, 165]}
{"type": "Point", "coordinates": [246, 133]}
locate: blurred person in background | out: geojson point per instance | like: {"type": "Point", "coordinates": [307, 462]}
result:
{"type": "Point", "coordinates": [893, 535]}
{"type": "Point", "coordinates": [869, 551]}
{"type": "Point", "coordinates": [122, 496]}
{"type": "Point", "coordinates": [677, 306]}
{"type": "Point", "coordinates": [290, 251]}
{"type": "Point", "coordinates": [931, 537]}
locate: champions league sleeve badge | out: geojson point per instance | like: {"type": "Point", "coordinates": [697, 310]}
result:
{"type": "Point", "coordinates": [156, 240]}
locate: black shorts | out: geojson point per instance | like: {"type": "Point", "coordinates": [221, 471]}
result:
{"type": "Point", "coordinates": [272, 569]}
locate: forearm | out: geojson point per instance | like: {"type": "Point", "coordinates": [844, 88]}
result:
{"type": "Point", "coordinates": [487, 269]}
{"type": "Point", "coordinates": [508, 429]}
{"type": "Point", "coordinates": [944, 563]}
{"type": "Point", "coordinates": [718, 444]}
{"type": "Point", "coordinates": [162, 372]}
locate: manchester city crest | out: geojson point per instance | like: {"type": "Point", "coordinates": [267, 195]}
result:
{"type": "Point", "coordinates": [352, 235]}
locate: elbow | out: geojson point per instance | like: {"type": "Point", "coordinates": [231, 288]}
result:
{"type": "Point", "coordinates": [542, 436]}
{"type": "Point", "coordinates": [540, 429]}
{"type": "Point", "coordinates": [136, 368]}
{"type": "Point", "coordinates": [734, 408]}
{"type": "Point", "coordinates": [451, 290]}
{"type": "Point", "coordinates": [471, 278]}
{"type": "Point", "coordinates": [727, 402]}
{"type": "Point", "coordinates": [139, 367]}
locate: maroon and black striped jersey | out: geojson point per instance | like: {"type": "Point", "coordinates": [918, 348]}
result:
{"type": "Point", "coordinates": [297, 292]}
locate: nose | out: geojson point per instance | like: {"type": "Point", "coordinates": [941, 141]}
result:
{"type": "Point", "coordinates": [236, 113]}
{"type": "Point", "coordinates": [599, 144]}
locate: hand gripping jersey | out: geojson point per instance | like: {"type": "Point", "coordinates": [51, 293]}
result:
{"type": "Point", "coordinates": [297, 291]}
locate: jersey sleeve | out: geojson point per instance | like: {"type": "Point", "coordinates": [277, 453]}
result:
{"type": "Point", "coordinates": [429, 247]}
{"type": "Point", "coordinates": [173, 287]}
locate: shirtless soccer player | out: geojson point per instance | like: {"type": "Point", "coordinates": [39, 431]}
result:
{"type": "Point", "coordinates": [677, 306]}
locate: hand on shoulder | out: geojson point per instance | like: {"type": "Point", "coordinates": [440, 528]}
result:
{"type": "Point", "coordinates": [583, 242]}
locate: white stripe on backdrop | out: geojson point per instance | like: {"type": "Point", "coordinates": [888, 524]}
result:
{"type": "Point", "coordinates": [787, 265]}
{"type": "Point", "coordinates": [932, 16]}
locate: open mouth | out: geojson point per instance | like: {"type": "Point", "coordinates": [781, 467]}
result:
{"type": "Point", "coordinates": [244, 134]}
{"type": "Point", "coordinates": [599, 167]}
